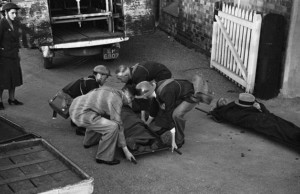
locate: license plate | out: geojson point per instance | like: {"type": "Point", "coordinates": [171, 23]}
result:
{"type": "Point", "coordinates": [110, 53]}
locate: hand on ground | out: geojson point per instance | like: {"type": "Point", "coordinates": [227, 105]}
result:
{"type": "Point", "coordinates": [129, 155]}
{"type": "Point", "coordinates": [174, 146]}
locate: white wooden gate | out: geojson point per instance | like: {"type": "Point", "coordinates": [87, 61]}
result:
{"type": "Point", "coordinates": [235, 43]}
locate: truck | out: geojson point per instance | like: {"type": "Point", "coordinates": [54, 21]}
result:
{"type": "Point", "coordinates": [83, 27]}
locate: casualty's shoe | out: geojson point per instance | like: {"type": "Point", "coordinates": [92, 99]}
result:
{"type": "Point", "coordinates": [156, 145]}
{"type": "Point", "coordinates": [114, 162]}
{"type": "Point", "coordinates": [141, 148]}
{"type": "Point", "coordinates": [131, 144]}
{"type": "Point", "coordinates": [15, 102]}
{"type": "Point", "coordinates": [1, 106]}
{"type": "Point", "coordinates": [166, 138]}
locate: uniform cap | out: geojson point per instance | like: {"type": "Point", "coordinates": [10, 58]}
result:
{"type": "Point", "coordinates": [9, 6]}
{"type": "Point", "coordinates": [144, 89]}
{"type": "Point", "coordinates": [102, 69]}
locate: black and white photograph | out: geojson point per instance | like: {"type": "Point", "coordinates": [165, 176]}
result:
{"type": "Point", "coordinates": [150, 96]}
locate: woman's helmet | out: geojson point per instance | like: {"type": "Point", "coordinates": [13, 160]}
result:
{"type": "Point", "coordinates": [144, 89]}
{"type": "Point", "coordinates": [9, 6]}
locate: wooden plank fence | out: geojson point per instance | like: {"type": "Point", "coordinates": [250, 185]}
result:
{"type": "Point", "coordinates": [235, 43]}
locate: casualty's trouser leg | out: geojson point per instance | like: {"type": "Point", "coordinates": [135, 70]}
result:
{"type": "Point", "coordinates": [106, 132]}
{"type": "Point", "coordinates": [179, 120]}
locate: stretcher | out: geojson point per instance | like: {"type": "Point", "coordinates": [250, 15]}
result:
{"type": "Point", "coordinates": [162, 148]}
{"type": "Point", "coordinates": [140, 135]}
{"type": "Point", "coordinates": [156, 150]}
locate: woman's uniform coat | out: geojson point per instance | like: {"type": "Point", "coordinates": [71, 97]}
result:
{"type": "Point", "coordinates": [10, 70]}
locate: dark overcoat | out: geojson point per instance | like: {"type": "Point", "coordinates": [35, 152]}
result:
{"type": "Point", "coordinates": [10, 69]}
{"type": "Point", "coordinates": [263, 122]}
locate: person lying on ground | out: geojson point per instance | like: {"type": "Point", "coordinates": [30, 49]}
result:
{"type": "Point", "coordinates": [83, 86]}
{"type": "Point", "coordinates": [171, 100]}
{"type": "Point", "coordinates": [139, 137]}
{"type": "Point", "coordinates": [145, 71]}
{"type": "Point", "coordinates": [247, 112]}
{"type": "Point", "coordinates": [99, 111]}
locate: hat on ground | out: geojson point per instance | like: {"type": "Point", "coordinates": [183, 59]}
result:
{"type": "Point", "coordinates": [102, 69]}
{"type": "Point", "coordinates": [144, 89]}
{"type": "Point", "coordinates": [9, 6]}
{"type": "Point", "coordinates": [245, 100]}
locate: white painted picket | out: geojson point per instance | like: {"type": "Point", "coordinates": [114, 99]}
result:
{"type": "Point", "coordinates": [235, 43]}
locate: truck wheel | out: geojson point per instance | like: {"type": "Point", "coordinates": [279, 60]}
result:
{"type": "Point", "coordinates": [48, 63]}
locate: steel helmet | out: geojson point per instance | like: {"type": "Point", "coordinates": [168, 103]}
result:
{"type": "Point", "coordinates": [144, 89]}
{"type": "Point", "coordinates": [9, 6]}
{"type": "Point", "coordinates": [102, 69]}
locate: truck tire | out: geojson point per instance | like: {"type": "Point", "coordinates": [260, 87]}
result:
{"type": "Point", "coordinates": [48, 63]}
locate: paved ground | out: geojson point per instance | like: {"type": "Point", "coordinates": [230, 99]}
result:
{"type": "Point", "coordinates": [217, 158]}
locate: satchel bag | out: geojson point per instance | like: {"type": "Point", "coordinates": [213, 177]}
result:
{"type": "Point", "coordinates": [61, 102]}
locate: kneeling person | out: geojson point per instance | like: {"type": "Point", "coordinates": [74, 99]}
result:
{"type": "Point", "coordinates": [99, 112]}
{"type": "Point", "coordinates": [171, 100]}
{"type": "Point", "coordinates": [83, 86]}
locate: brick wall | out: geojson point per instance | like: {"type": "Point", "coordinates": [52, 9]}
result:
{"type": "Point", "coordinates": [195, 19]}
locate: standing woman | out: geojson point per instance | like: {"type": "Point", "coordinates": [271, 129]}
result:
{"type": "Point", "coordinates": [10, 69]}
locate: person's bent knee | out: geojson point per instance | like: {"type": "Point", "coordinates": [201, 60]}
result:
{"type": "Point", "coordinates": [177, 114]}
{"type": "Point", "coordinates": [177, 117]}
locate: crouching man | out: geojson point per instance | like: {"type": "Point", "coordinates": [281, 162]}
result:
{"type": "Point", "coordinates": [171, 100]}
{"type": "Point", "coordinates": [83, 86]}
{"type": "Point", "coordinates": [99, 111]}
